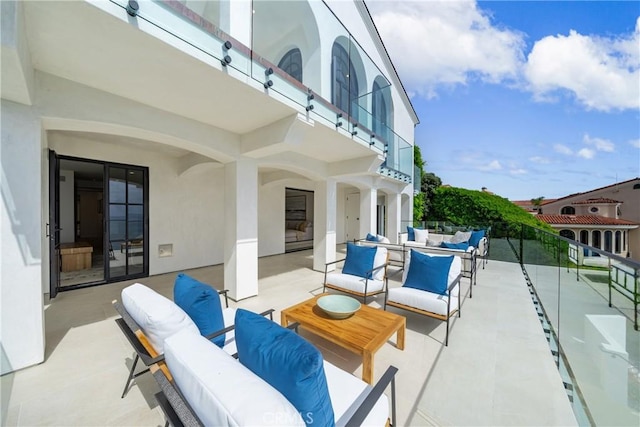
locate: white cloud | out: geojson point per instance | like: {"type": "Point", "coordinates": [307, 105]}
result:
{"type": "Point", "coordinates": [635, 143]}
{"type": "Point", "coordinates": [540, 160]}
{"type": "Point", "coordinates": [562, 149]}
{"type": "Point", "coordinates": [599, 143]}
{"type": "Point", "coordinates": [603, 73]}
{"type": "Point", "coordinates": [491, 166]}
{"type": "Point", "coordinates": [445, 43]}
{"type": "Point", "coordinates": [586, 153]}
{"type": "Point", "coordinates": [518, 171]}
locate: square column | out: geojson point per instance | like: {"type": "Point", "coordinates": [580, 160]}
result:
{"type": "Point", "coordinates": [368, 211]}
{"type": "Point", "coordinates": [241, 229]}
{"type": "Point", "coordinates": [394, 216]}
{"type": "Point", "coordinates": [324, 224]}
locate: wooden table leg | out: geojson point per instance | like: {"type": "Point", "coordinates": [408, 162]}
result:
{"type": "Point", "coordinates": [400, 336]}
{"type": "Point", "coordinates": [367, 367]}
{"type": "Point", "coordinates": [284, 321]}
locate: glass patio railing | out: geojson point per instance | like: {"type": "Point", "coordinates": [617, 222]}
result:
{"type": "Point", "coordinates": [587, 301]}
{"type": "Point", "coordinates": [337, 84]}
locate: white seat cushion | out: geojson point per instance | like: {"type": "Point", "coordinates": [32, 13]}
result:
{"type": "Point", "coordinates": [345, 390]}
{"type": "Point", "coordinates": [354, 283]}
{"type": "Point", "coordinates": [158, 316]}
{"type": "Point", "coordinates": [421, 236]}
{"type": "Point", "coordinates": [222, 391]}
{"type": "Point", "coordinates": [424, 300]}
{"type": "Point", "coordinates": [378, 260]}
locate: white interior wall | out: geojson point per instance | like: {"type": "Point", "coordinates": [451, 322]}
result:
{"type": "Point", "coordinates": [67, 205]}
{"type": "Point", "coordinates": [184, 210]}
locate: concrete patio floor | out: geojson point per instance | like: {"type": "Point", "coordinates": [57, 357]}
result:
{"type": "Point", "coordinates": [497, 369]}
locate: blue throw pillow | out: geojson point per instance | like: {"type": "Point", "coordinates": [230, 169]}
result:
{"type": "Point", "coordinates": [429, 273]}
{"type": "Point", "coordinates": [288, 362]}
{"type": "Point", "coordinates": [448, 245]}
{"type": "Point", "coordinates": [475, 238]}
{"type": "Point", "coordinates": [359, 260]}
{"type": "Point", "coordinates": [371, 238]}
{"type": "Point", "coordinates": [411, 235]}
{"type": "Point", "coordinates": [202, 303]}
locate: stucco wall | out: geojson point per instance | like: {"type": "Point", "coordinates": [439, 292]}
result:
{"type": "Point", "coordinates": [184, 210]}
{"type": "Point", "coordinates": [21, 317]}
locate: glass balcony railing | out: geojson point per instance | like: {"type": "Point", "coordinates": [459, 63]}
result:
{"type": "Point", "coordinates": [336, 83]}
{"type": "Point", "coordinates": [587, 302]}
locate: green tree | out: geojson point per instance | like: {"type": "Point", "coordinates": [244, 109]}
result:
{"type": "Point", "coordinates": [537, 203]}
{"type": "Point", "coordinates": [430, 182]}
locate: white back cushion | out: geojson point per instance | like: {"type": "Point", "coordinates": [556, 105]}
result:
{"type": "Point", "coordinates": [421, 235]}
{"type": "Point", "coordinates": [380, 259]}
{"type": "Point", "coordinates": [158, 316]}
{"type": "Point", "coordinates": [461, 236]}
{"type": "Point", "coordinates": [221, 390]}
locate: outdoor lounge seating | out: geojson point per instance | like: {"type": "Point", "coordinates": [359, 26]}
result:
{"type": "Point", "coordinates": [148, 318]}
{"type": "Point", "coordinates": [363, 274]}
{"type": "Point", "coordinates": [395, 251]}
{"type": "Point", "coordinates": [430, 287]}
{"type": "Point", "coordinates": [207, 386]}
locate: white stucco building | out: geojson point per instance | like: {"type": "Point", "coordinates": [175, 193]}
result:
{"type": "Point", "coordinates": [158, 136]}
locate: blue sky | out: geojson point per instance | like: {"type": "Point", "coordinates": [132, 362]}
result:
{"type": "Point", "coordinates": [528, 99]}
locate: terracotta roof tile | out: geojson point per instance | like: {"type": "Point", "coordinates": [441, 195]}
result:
{"type": "Point", "coordinates": [582, 220]}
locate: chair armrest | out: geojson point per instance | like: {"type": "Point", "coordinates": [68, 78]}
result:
{"type": "Point", "coordinates": [174, 406]}
{"type": "Point", "coordinates": [232, 327]}
{"type": "Point", "coordinates": [137, 345]}
{"type": "Point", "coordinates": [226, 298]}
{"type": "Point", "coordinates": [334, 262]}
{"type": "Point", "coordinates": [454, 283]}
{"type": "Point", "coordinates": [371, 398]}
{"type": "Point", "coordinates": [370, 272]}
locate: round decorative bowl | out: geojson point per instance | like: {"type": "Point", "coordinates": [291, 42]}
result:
{"type": "Point", "coordinates": [338, 306]}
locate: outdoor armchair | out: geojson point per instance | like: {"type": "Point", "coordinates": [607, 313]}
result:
{"type": "Point", "coordinates": [431, 287]}
{"type": "Point", "coordinates": [363, 272]}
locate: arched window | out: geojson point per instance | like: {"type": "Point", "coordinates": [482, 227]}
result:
{"type": "Point", "coordinates": [291, 63]}
{"type": "Point", "coordinates": [380, 113]}
{"type": "Point", "coordinates": [595, 239]}
{"type": "Point", "coordinates": [618, 241]}
{"type": "Point", "coordinates": [344, 82]}
{"type": "Point", "coordinates": [636, 186]}
{"type": "Point", "coordinates": [584, 238]}
{"type": "Point", "coordinates": [568, 210]}
{"type": "Point", "coordinates": [568, 234]}
{"type": "Point", "coordinates": [608, 240]}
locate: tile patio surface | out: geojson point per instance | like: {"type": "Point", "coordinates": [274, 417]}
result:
{"type": "Point", "coordinates": [497, 369]}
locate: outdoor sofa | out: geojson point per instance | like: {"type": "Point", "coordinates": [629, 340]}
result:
{"type": "Point", "coordinates": [202, 384]}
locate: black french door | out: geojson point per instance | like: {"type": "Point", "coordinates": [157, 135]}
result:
{"type": "Point", "coordinates": [53, 226]}
{"type": "Point", "coordinates": [127, 219]}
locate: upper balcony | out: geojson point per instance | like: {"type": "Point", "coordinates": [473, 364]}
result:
{"type": "Point", "coordinates": [301, 53]}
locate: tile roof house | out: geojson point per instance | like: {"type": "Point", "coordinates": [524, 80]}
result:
{"type": "Point", "coordinates": [606, 218]}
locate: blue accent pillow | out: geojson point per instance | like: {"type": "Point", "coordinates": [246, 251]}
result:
{"type": "Point", "coordinates": [371, 238]}
{"type": "Point", "coordinates": [429, 273]}
{"type": "Point", "coordinates": [288, 362]}
{"type": "Point", "coordinates": [411, 235]}
{"type": "Point", "coordinates": [202, 303]}
{"type": "Point", "coordinates": [475, 238]}
{"type": "Point", "coordinates": [359, 260]}
{"type": "Point", "coordinates": [448, 245]}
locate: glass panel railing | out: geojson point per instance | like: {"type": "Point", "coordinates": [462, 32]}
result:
{"type": "Point", "coordinates": [590, 300]}
{"type": "Point", "coordinates": [202, 24]}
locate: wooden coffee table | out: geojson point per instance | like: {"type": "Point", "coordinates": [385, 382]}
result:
{"type": "Point", "coordinates": [363, 333]}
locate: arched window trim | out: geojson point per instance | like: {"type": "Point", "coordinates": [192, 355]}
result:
{"type": "Point", "coordinates": [291, 63]}
{"type": "Point", "coordinates": [568, 210]}
{"type": "Point", "coordinates": [344, 81]}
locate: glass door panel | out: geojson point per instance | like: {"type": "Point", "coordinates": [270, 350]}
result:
{"type": "Point", "coordinates": [127, 222]}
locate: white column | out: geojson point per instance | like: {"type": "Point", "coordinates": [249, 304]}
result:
{"type": "Point", "coordinates": [24, 264]}
{"type": "Point", "coordinates": [394, 216]}
{"type": "Point", "coordinates": [241, 229]}
{"type": "Point", "coordinates": [368, 211]}
{"type": "Point", "coordinates": [324, 224]}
